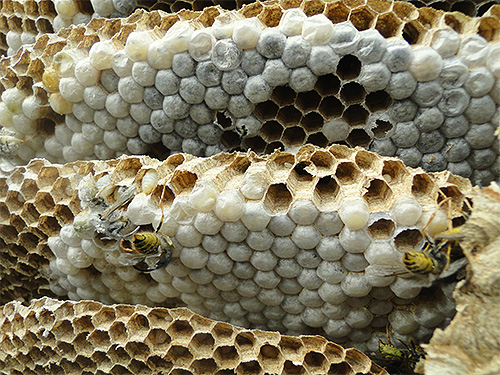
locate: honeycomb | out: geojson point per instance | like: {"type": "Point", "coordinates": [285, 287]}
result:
{"type": "Point", "coordinates": [384, 76]}
{"type": "Point", "coordinates": [87, 337]}
{"type": "Point", "coordinates": [470, 8]}
{"type": "Point", "coordinates": [304, 242]}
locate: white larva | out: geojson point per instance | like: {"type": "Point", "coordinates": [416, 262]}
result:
{"type": "Point", "coordinates": [149, 181]}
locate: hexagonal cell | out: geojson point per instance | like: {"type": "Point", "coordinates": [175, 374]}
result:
{"type": "Point", "coordinates": [181, 330]}
{"type": "Point", "coordinates": [63, 331]}
{"type": "Point", "coordinates": [271, 131]}
{"type": "Point", "coordinates": [69, 367]}
{"type": "Point", "coordinates": [300, 173]}
{"type": "Point", "coordinates": [323, 161]}
{"type": "Point", "coordinates": [29, 213]}
{"type": "Point", "coordinates": [83, 324]}
{"type": "Point", "coordinates": [273, 146]}
{"type": "Point", "coordinates": [28, 188]}
{"type": "Point", "coordinates": [256, 144]}
{"type": "Point", "coordinates": [381, 229]}
{"type": "Point", "coordinates": [340, 151]}
{"type": "Point", "coordinates": [378, 194]}
{"type": "Point", "coordinates": [230, 139]}
{"type": "Point", "coordinates": [63, 214]}
{"type": "Point", "coordinates": [266, 110]}
{"type": "Point", "coordinates": [14, 201]}
{"type": "Point", "coordinates": [316, 362]}
{"type": "Point", "coordinates": [183, 181]}
{"type": "Point", "coordinates": [278, 198]}
{"type": "Point", "coordinates": [352, 93]}
{"type": "Point", "coordinates": [362, 18]}
{"type": "Point", "coordinates": [378, 101]}
{"type": "Point", "coordinates": [408, 240]}
{"type": "Point", "coordinates": [138, 367]}
{"type": "Point", "coordinates": [283, 95]}
{"type": "Point", "coordinates": [307, 101]}
{"type": "Point", "coordinates": [355, 115]}
{"type": "Point", "coordinates": [366, 160]}
{"type": "Point", "coordinates": [317, 139]}
{"type": "Point", "coordinates": [326, 193]}
{"type": "Point", "coordinates": [48, 225]}
{"type": "Point", "coordinates": [118, 332]}
{"type": "Point", "coordinates": [222, 332]}
{"type": "Point", "coordinates": [337, 12]}
{"type": "Point", "coordinates": [202, 345]}
{"type": "Point", "coordinates": [28, 240]}
{"type": "Point", "coordinates": [412, 32]}
{"type": "Point", "coordinates": [204, 366]}
{"type": "Point", "coordinates": [327, 85]}
{"type": "Point", "coordinates": [180, 356]}
{"type": "Point", "coordinates": [81, 344]}
{"type": "Point", "coordinates": [312, 122]}
{"type": "Point", "coordinates": [381, 128]}
{"type": "Point", "coordinates": [119, 370]}
{"type": "Point", "coordinates": [481, 10]}
{"type": "Point", "coordinates": [348, 173]}
{"type": "Point", "coordinates": [66, 350]}
{"type": "Point", "coordinates": [293, 136]}
{"type": "Point", "coordinates": [159, 364]}
{"type": "Point", "coordinates": [85, 363]}
{"type": "Point", "coordinates": [270, 356]}
{"type": "Point", "coordinates": [422, 186]}
{"type": "Point", "coordinates": [388, 25]}
{"type": "Point", "coordinates": [358, 137]}
{"type": "Point", "coordinates": [127, 168]}
{"type": "Point", "coordinates": [312, 7]}
{"type": "Point", "coordinates": [250, 367]}
{"type": "Point", "coordinates": [358, 361]}
{"type": "Point", "coordinates": [245, 342]}
{"type": "Point", "coordinates": [226, 356]}
{"type": "Point", "coordinates": [17, 222]}
{"type": "Point", "coordinates": [158, 338]}
{"type": "Point", "coordinates": [488, 28]}
{"type": "Point", "coordinates": [348, 67]}
{"type": "Point", "coordinates": [331, 107]}
{"type": "Point", "coordinates": [394, 171]}
{"type": "Point", "coordinates": [61, 190]}
{"type": "Point", "coordinates": [223, 120]}
{"type": "Point", "coordinates": [289, 116]}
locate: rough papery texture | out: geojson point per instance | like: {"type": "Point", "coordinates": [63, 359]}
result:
{"type": "Point", "coordinates": [468, 7]}
{"type": "Point", "coordinates": [385, 76]}
{"type": "Point", "coordinates": [124, 339]}
{"type": "Point", "coordinates": [301, 243]}
{"type": "Point", "coordinates": [471, 344]}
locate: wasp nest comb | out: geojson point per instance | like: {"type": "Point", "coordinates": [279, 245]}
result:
{"type": "Point", "coordinates": [300, 243]}
{"type": "Point", "coordinates": [419, 84]}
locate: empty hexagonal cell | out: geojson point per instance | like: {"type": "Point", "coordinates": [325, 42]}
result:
{"type": "Point", "coordinates": [183, 181]}
{"type": "Point", "coordinates": [352, 93]}
{"type": "Point", "coordinates": [378, 101]}
{"type": "Point", "coordinates": [348, 173]}
{"type": "Point", "coordinates": [179, 355]}
{"type": "Point", "coordinates": [204, 366]}
{"type": "Point", "coordinates": [158, 338]}
{"type": "Point", "coordinates": [222, 332]}
{"type": "Point", "coordinates": [139, 324]}
{"type": "Point", "coordinates": [67, 350]}
{"type": "Point", "coordinates": [271, 131]}
{"type": "Point", "coordinates": [28, 188]}
{"type": "Point", "coordinates": [273, 146]}
{"type": "Point", "coordinates": [118, 332]}
{"type": "Point", "coordinates": [313, 121]}
{"type": "Point", "coordinates": [289, 116]}
{"type": "Point", "coordinates": [128, 168]}
{"type": "Point", "coordinates": [202, 345]}
{"type": "Point", "coordinates": [266, 110]}
{"type": "Point", "coordinates": [323, 160]}
{"type": "Point", "coordinates": [408, 240]}
{"type": "Point", "coordinates": [223, 120]}
{"type": "Point", "coordinates": [337, 12]}
{"type": "Point", "coordinates": [63, 214]}
{"type": "Point", "coordinates": [327, 85]}
{"type": "Point", "coordinates": [138, 367]}
{"type": "Point", "coordinates": [99, 338]}
{"type": "Point", "coordinates": [362, 18]}
{"type": "Point", "coordinates": [48, 225]}
{"type": "Point", "coordinates": [28, 240]}
{"type": "Point", "coordinates": [326, 192]}
{"type": "Point", "coordinates": [256, 144]}
{"type": "Point", "coordinates": [278, 198]}
{"type": "Point", "coordinates": [355, 115]}
{"type": "Point", "coordinates": [181, 330]}
{"type": "Point", "coordinates": [63, 331]}
{"type": "Point", "coordinates": [159, 364]}
{"type": "Point", "coordinates": [381, 229]}
{"type": "Point", "coordinates": [412, 32]}
{"type": "Point", "coordinates": [226, 356]}
{"type": "Point", "coordinates": [316, 362]}
{"type": "Point", "coordinates": [394, 171]}
{"type": "Point", "coordinates": [381, 128]}
{"type": "Point", "coordinates": [422, 186]}
{"type": "Point", "coordinates": [293, 136]}
{"type": "Point", "coordinates": [29, 213]}
{"type": "Point", "coordinates": [378, 194]}
{"type": "Point", "coordinates": [283, 95]}
{"type": "Point", "coordinates": [348, 67]}
{"type": "Point", "coordinates": [250, 367]}
{"type": "Point", "coordinates": [245, 342]}
{"type": "Point", "coordinates": [366, 160]}
{"type": "Point", "coordinates": [358, 361]}
{"type": "Point", "coordinates": [358, 137]}
{"type": "Point", "coordinates": [61, 189]}
{"type": "Point", "coordinates": [331, 107]}
{"type": "Point", "coordinates": [317, 139]}
{"type": "Point", "coordinates": [231, 140]}
{"type": "Point", "coordinates": [307, 101]}
{"type": "Point", "coordinates": [388, 24]}
{"type": "Point", "coordinates": [14, 201]}
{"type": "Point", "coordinates": [270, 356]}
{"type": "Point", "coordinates": [83, 324]}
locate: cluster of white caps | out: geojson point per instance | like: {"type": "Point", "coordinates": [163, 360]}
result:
{"type": "Point", "coordinates": [235, 260]}
{"type": "Point", "coordinates": [167, 90]}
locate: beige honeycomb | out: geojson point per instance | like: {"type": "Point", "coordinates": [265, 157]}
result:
{"type": "Point", "coordinates": [468, 7]}
{"type": "Point", "coordinates": [87, 337]}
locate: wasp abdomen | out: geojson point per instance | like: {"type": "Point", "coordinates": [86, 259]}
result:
{"type": "Point", "coordinates": [146, 243]}
{"type": "Point", "coordinates": [419, 262]}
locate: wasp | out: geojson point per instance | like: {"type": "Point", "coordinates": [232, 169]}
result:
{"type": "Point", "coordinates": [152, 248]}
{"type": "Point", "coordinates": [401, 359]}
{"type": "Point", "coordinates": [9, 143]}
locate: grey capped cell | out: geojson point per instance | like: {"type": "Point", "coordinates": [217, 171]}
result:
{"type": "Point", "coordinates": [410, 156]}
{"type": "Point", "coordinates": [208, 74]}
{"type": "Point", "coordinates": [427, 94]}
{"type": "Point", "coordinates": [209, 134]}
{"type": "Point", "coordinates": [345, 38]}
{"type": "Point", "coordinates": [257, 90]}
{"type": "Point", "coordinates": [83, 112]}
{"type": "Point", "coordinates": [482, 177]}
{"type": "Point", "coordinates": [276, 73]}
{"type": "Point", "coordinates": [193, 146]}
{"type": "Point", "coordinates": [136, 146]}
{"type": "Point", "coordinates": [401, 85]}
{"type": "Point", "coordinates": [383, 146]}
{"type": "Point", "coordinates": [480, 135]}
{"type": "Point", "coordinates": [454, 73]}
{"type": "Point", "coordinates": [226, 55]}
{"type": "Point", "coordinates": [430, 142]}
{"type": "Point", "coordinates": [322, 60]}
{"type": "Point", "coordinates": [172, 141]}
{"type": "Point", "coordinates": [233, 81]}
{"type": "Point", "coordinates": [153, 98]}
{"type": "Point", "coordinates": [239, 106]}
{"type": "Point", "coordinates": [186, 128]}
{"type": "Point", "coordinates": [183, 64]}
{"type": "Point", "coordinates": [405, 134]}
{"type": "Point", "coordinates": [192, 90]}
{"type": "Point", "coordinates": [402, 111]}
{"type": "Point", "coordinates": [429, 119]}
{"type": "Point", "coordinates": [433, 162]}
{"type": "Point", "coordinates": [94, 97]}
{"type": "Point", "coordinates": [371, 46]}
{"type": "Point", "coordinates": [201, 114]}
{"type": "Point", "coordinates": [455, 126]}
{"type": "Point", "coordinates": [149, 134]}
{"type": "Point", "coordinates": [127, 126]}
{"type": "Point", "coordinates": [461, 168]}
{"type": "Point", "coordinates": [455, 150]}
{"type": "Point", "coordinates": [302, 79]}
{"type": "Point", "coordinates": [175, 107]}
{"type": "Point", "coordinates": [161, 122]}
{"type": "Point", "coordinates": [480, 82]}
{"type": "Point", "coordinates": [374, 77]}
{"type": "Point", "coordinates": [482, 159]}
{"type": "Point", "coordinates": [143, 73]}
{"type": "Point", "coordinates": [296, 51]}
{"type": "Point", "coordinates": [216, 98]}
{"type": "Point", "coordinates": [140, 112]}
{"type": "Point", "coordinates": [398, 55]}
{"type": "Point", "coordinates": [109, 80]}
{"type": "Point", "coordinates": [481, 109]}
{"type": "Point", "coordinates": [167, 82]}
{"type": "Point", "coordinates": [454, 102]}
{"type": "Point", "coordinates": [125, 6]}
{"type": "Point", "coordinates": [252, 62]}
{"type": "Point", "coordinates": [248, 126]}
{"type": "Point", "coordinates": [271, 43]}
